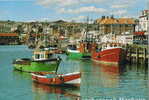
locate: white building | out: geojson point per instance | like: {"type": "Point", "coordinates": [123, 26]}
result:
{"type": "Point", "coordinates": [123, 39]}
{"type": "Point", "coordinates": [143, 24]}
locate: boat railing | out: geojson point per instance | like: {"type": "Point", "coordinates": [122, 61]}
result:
{"type": "Point", "coordinates": [111, 46]}
{"type": "Point", "coordinates": [24, 61]}
{"type": "Point", "coordinates": [42, 60]}
{"type": "Point", "coordinates": [73, 73]}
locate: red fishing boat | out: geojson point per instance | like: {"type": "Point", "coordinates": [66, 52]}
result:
{"type": "Point", "coordinates": [110, 53]}
{"type": "Point", "coordinates": [57, 79]}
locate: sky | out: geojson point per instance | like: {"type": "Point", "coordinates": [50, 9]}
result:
{"type": "Point", "coordinates": [68, 10]}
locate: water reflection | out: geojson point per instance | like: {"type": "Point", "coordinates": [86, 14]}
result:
{"type": "Point", "coordinates": [21, 75]}
{"type": "Point", "coordinates": [112, 80]}
{"type": "Point", "coordinates": [138, 68]}
{"type": "Point", "coordinates": [109, 74]}
{"type": "Point", "coordinates": [102, 75]}
{"type": "Point", "coordinates": [46, 92]}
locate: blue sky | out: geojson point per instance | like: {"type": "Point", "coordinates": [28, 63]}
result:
{"type": "Point", "coordinates": [78, 10]}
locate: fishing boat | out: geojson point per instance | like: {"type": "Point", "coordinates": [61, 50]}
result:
{"type": "Point", "coordinates": [110, 50]}
{"type": "Point", "coordinates": [73, 52]}
{"type": "Point", "coordinates": [109, 53]}
{"type": "Point", "coordinates": [82, 49]}
{"type": "Point", "coordinates": [57, 79]}
{"type": "Point", "coordinates": [43, 60]}
{"type": "Point", "coordinates": [77, 52]}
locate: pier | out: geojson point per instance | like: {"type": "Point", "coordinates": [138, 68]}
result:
{"type": "Point", "coordinates": [137, 54]}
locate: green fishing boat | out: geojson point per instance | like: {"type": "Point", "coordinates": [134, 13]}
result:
{"type": "Point", "coordinates": [43, 60]}
{"type": "Point", "coordinates": [77, 53]}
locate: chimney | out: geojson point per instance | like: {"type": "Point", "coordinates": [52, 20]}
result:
{"type": "Point", "coordinates": [143, 13]}
{"type": "Point", "coordinates": [112, 17]}
{"type": "Point", "coordinates": [103, 17]}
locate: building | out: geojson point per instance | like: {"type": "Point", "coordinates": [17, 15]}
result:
{"type": "Point", "coordinates": [141, 33]}
{"type": "Point", "coordinates": [140, 38]}
{"type": "Point", "coordinates": [7, 26]}
{"type": "Point", "coordinates": [9, 38]}
{"type": "Point", "coordinates": [113, 25]}
{"type": "Point", "coordinates": [143, 22]}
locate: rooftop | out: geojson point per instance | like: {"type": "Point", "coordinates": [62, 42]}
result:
{"type": "Point", "coordinates": [8, 34]}
{"type": "Point", "coordinates": [108, 20]}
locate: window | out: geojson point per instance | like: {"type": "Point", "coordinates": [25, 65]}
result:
{"type": "Point", "coordinates": [37, 56]}
{"type": "Point", "coordinates": [144, 25]}
{"type": "Point", "coordinates": [41, 55]}
{"type": "Point", "coordinates": [49, 55]}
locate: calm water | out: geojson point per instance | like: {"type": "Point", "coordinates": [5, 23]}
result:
{"type": "Point", "coordinates": [99, 82]}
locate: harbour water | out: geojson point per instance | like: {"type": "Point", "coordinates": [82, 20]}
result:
{"type": "Point", "coordinates": [99, 82]}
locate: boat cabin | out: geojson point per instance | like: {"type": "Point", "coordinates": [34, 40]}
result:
{"type": "Point", "coordinates": [42, 55]}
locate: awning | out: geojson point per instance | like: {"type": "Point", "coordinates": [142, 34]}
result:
{"type": "Point", "coordinates": [139, 33]}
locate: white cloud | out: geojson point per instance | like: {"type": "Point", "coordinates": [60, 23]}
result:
{"type": "Point", "coordinates": [90, 9]}
{"type": "Point", "coordinates": [123, 3]}
{"type": "Point", "coordinates": [93, 1]}
{"type": "Point", "coordinates": [68, 2]}
{"type": "Point", "coordinates": [76, 19]}
{"type": "Point", "coordinates": [124, 14]}
{"type": "Point", "coordinates": [62, 3]}
{"type": "Point", "coordinates": [120, 6]}
{"type": "Point", "coordinates": [47, 3]}
{"type": "Point", "coordinates": [119, 13]}
{"type": "Point", "coordinates": [130, 16]}
{"type": "Point", "coordinates": [102, 7]}
{"type": "Point", "coordinates": [79, 18]}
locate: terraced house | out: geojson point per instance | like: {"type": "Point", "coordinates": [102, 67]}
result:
{"type": "Point", "coordinates": [116, 25]}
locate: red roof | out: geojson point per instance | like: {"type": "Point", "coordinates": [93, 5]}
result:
{"type": "Point", "coordinates": [139, 33]}
{"type": "Point", "coordinates": [141, 16]}
{"type": "Point", "coordinates": [146, 10]}
{"type": "Point", "coordinates": [8, 34]}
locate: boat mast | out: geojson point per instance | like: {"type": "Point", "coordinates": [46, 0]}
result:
{"type": "Point", "coordinates": [58, 63]}
{"type": "Point", "coordinates": [86, 35]}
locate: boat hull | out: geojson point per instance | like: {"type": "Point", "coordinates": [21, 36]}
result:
{"type": "Point", "coordinates": [37, 66]}
{"type": "Point", "coordinates": [109, 56]}
{"type": "Point", "coordinates": [71, 79]}
{"type": "Point", "coordinates": [78, 55]}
